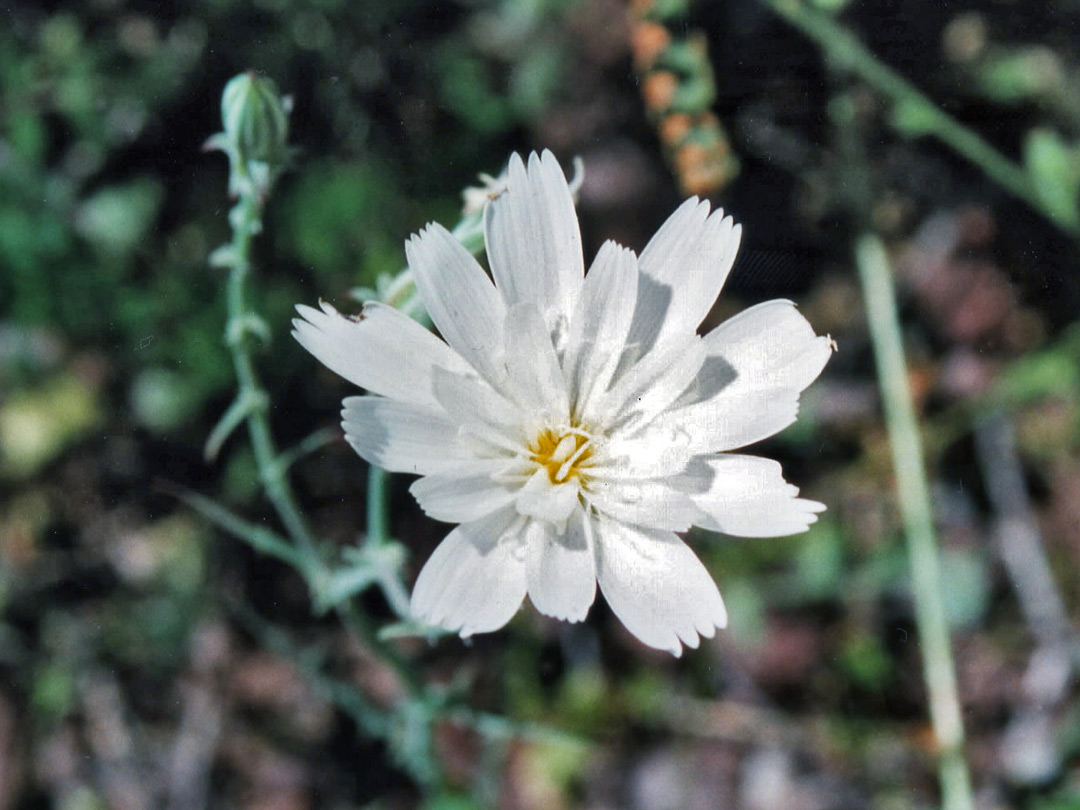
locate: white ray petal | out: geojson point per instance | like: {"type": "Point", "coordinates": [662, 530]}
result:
{"type": "Point", "coordinates": [463, 495]}
{"type": "Point", "coordinates": [533, 240]}
{"type": "Point", "coordinates": [402, 437]}
{"type": "Point", "coordinates": [467, 398]}
{"type": "Point", "coordinates": [474, 582]}
{"type": "Point", "coordinates": [535, 377]}
{"type": "Point", "coordinates": [646, 503]}
{"type": "Point", "coordinates": [543, 500]}
{"type": "Point", "coordinates": [691, 255]}
{"type": "Point", "coordinates": [652, 383]}
{"type": "Point", "coordinates": [462, 302]}
{"type": "Point", "coordinates": [601, 320]}
{"type": "Point", "coordinates": [748, 497]}
{"type": "Point", "coordinates": [657, 586]}
{"type": "Point", "coordinates": [768, 346]}
{"type": "Point", "coordinates": [561, 569]}
{"type": "Point", "coordinates": [727, 421]}
{"type": "Point", "coordinates": [382, 350]}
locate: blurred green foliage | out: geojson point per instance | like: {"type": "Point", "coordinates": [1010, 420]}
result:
{"type": "Point", "coordinates": [108, 210]}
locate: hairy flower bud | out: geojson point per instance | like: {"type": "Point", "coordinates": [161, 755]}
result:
{"type": "Point", "coordinates": [255, 117]}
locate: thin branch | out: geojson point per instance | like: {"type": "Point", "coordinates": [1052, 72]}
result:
{"type": "Point", "coordinates": [918, 519]}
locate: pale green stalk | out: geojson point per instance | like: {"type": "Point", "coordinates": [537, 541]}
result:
{"type": "Point", "coordinates": [918, 519]}
{"type": "Point", "coordinates": [408, 726]}
{"type": "Point", "coordinates": [246, 219]}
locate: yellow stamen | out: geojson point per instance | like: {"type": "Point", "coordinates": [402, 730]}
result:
{"type": "Point", "coordinates": [562, 452]}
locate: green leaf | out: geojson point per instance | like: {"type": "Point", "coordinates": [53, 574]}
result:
{"type": "Point", "coordinates": [37, 425]}
{"type": "Point", "coordinates": [450, 801]}
{"type": "Point", "coordinates": [1012, 76]}
{"type": "Point", "coordinates": [343, 584]}
{"type": "Point", "coordinates": [1052, 372]}
{"type": "Point", "coordinates": [1054, 167]}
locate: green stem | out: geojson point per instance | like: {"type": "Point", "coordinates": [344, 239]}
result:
{"type": "Point", "coordinates": [849, 53]}
{"type": "Point", "coordinates": [377, 517]}
{"type": "Point", "coordinates": [246, 219]}
{"type": "Point", "coordinates": [917, 516]}
{"type": "Point", "coordinates": [259, 538]}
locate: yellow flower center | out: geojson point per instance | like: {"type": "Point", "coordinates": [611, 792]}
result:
{"type": "Point", "coordinates": [564, 453]}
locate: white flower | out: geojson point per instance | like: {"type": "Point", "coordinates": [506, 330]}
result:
{"type": "Point", "coordinates": [572, 423]}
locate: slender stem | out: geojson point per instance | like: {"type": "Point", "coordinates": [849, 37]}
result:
{"type": "Point", "coordinates": [259, 538]}
{"type": "Point", "coordinates": [849, 53]}
{"type": "Point", "coordinates": [377, 517]}
{"type": "Point", "coordinates": [917, 515]}
{"type": "Point", "coordinates": [246, 218]}
{"type": "Point", "coordinates": [396, 595]}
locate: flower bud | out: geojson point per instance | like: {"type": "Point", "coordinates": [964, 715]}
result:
{"type": "Point", "coordinates": [256, 119]}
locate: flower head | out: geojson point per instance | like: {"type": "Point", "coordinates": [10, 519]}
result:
{"type": "Point", "coordinates": [573, 423]}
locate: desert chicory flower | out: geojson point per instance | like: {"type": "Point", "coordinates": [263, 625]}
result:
{"type": "Point", "coordinates": [572, 423]}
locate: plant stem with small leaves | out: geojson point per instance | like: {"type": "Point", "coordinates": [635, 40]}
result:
{"type": "Point", "coordinates": [240, 332]}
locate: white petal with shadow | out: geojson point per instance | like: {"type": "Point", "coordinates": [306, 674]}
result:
{"type": "Point", "coordinates": [402, 437]}
{"type": "Point", "coordinates": [382, 350]}
{"type": "Point", "coordinates": [769, 346]}
{"type": "Point", "coordinates": [474, 582]}
{"type": "Point", "coordinates": [601, 320]}
{"type": "Point", "coordinates": [561, 569]}
{"type": "Point", "coordinates": [656, 586]}
{"type": "Point", "coordinates": [691, 255]}
{"type": "Point", "coordinates": [748, 497]}
{"type": "Point", "coordinates": [653, 382]}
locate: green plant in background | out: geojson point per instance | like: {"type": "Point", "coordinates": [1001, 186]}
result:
{"type": "Point", "coordinates": [1040, 180]}
{"type": "Point", "coordinates": [51, 211]}
{"type": "Point", "coordinates": [91, 244]}
{"type": "Point", "coordinates": [1049, 181]}
{"type": "Point", "coordinates": [917, 512]}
